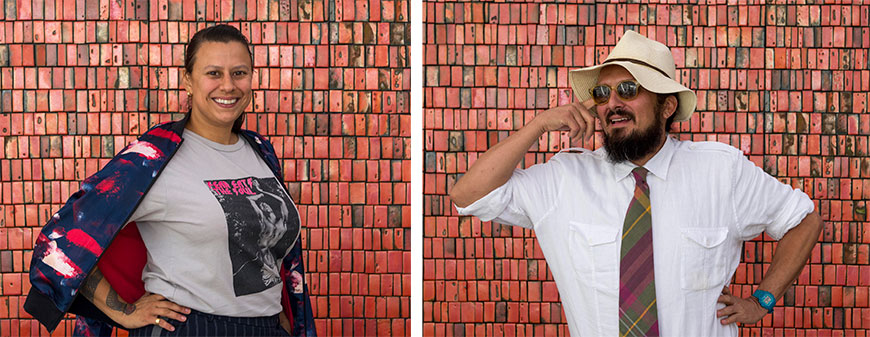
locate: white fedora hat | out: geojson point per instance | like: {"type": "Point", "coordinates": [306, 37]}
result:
{"type": "Point", "coordinates": [650, 62]}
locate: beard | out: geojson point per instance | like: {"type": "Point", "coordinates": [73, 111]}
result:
{"type": "Point", "coordinates": [637, 144]}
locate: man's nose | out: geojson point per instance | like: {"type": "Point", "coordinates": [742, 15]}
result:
{"type": "Point", "coordinates": [613, 103]}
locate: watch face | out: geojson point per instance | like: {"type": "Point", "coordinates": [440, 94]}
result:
{"type": "Point", "coordinates": [764, 298]}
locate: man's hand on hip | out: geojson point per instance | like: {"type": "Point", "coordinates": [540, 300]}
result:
{"type": "Point", "coordinates": [743, 310]}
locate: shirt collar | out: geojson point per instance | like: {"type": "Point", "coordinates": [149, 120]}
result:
{"type": "Point", "coordinates": [657, 165]}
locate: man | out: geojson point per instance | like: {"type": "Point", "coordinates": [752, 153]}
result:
{"type": "Point", "coordinates": [642, 236]}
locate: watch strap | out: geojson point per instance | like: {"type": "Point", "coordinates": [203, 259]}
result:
{"type": "Point", "coordinates": [765, 299]}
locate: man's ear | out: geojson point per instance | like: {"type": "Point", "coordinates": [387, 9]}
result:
{"type": "Point", "coordinates": [670, 107]}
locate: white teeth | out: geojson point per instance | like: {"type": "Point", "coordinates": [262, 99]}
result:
{"type": "Point", "coordinates": [226, 101]}
{"type": "Point", "coordinates": [618, 120]}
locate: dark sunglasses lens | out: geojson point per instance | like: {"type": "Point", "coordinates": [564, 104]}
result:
{"type": "Point", "coordinates": [627, 89]}
{"type": "Point", "coordinates": [601, 94]}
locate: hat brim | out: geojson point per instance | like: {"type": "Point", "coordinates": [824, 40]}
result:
{"type": "Point", "coordinates": [650, 79]}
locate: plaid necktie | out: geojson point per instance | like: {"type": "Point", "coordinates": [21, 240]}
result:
{"type": "Point", "coordinates": [637, 288]}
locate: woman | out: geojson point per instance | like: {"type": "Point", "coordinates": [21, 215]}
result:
{"type": "Point", "coordinates": [212, 251]}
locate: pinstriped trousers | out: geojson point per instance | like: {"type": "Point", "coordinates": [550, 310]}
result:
{"type": "Point", "coordinates": [202, 324]}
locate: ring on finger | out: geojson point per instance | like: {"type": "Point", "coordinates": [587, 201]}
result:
{"type": "Point", "coordinates": [157, 321]}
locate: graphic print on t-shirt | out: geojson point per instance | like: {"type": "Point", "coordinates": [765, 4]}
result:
{"type": "Point", "coordinates": [261, 225]}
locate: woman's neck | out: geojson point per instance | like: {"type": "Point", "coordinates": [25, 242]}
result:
{"type": "Point", "coordinates": [217, 134]}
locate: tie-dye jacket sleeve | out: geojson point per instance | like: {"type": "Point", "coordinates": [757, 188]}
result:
{"type": "Point", "coordinates": [72, 241]}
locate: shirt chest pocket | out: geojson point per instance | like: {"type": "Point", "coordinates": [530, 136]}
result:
{"type": "Point", "coordinates": [704, 257]}
{"type": "Point", "coordinates": [595, 253]}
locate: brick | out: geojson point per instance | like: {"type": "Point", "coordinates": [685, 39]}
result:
{"type": "Point", "coordinates": [773, 81]}
{"type": "Point", "coordinates": [48, 147]}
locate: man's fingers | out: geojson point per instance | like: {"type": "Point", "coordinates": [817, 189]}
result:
{"type": "Point", "coordinates": [574, 133]}
{"type": "Point", "coordinates": [727, 314]}
{"type": "Point", "coordinates": [580, 124]}
{"type": "Point", "coordinates": [737, 310]}
{"type": "Point", "coordinates": [726, 311]}
{"type": "Point", "coordinates": [590, 125]}
{"type": "Point", "coordinates": [726, 290]}
{"type": "Point", "coordinates": [580, 114]}
{"type": "Point", "coordinates": [571, 125]}
{"type": "Point", "coordinates": [574, 118]}
{"type": "Point", "coordinates": [585, 110]}
{"type": "Point", "coordinates": [725, 299]}
{"type": "Point", "coordinates": [729, 320]}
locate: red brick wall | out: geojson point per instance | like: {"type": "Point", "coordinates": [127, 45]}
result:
{"type": "Point", "coordinates": [80, 79]}
{"type": "Point", "coordinates": [786, 84]}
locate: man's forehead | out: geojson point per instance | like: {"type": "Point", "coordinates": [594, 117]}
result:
{"type": "Point", "coordinates": [613, 73]}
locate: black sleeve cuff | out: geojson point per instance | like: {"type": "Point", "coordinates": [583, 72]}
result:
{"type": "Point", "coordinates": [43, 309]}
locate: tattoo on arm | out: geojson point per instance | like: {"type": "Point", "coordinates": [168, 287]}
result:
{"type": "Point", "coordinates": [89, 288]}
{"type": "Point", "coordinates": [114, 302]}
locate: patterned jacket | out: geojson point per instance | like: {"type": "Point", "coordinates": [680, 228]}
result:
{"type": "Point", "coordinates": [87, 231]}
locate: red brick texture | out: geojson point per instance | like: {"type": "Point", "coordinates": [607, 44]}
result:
{"type": "Point", "coordinates": [81, 79]}
{"type": "Point", "coordinates": [787, 84]}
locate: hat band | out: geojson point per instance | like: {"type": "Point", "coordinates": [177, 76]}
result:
{"type": "Point", "coordinates": [638, 62]}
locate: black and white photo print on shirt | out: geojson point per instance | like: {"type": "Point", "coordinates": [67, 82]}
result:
{"type": "Point", "coordinates": [262, 226]}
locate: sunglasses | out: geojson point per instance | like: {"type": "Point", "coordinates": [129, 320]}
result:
{"type": "Point", "coordinates": [627, 90]}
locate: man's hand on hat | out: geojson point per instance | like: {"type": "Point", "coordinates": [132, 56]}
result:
{"type": "Point", "coordinates": [737, 309]}
{"type": "Point", "coordinates": [576, 118]}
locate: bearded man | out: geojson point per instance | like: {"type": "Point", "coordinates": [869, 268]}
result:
{"type": "Point", "coordinates": [643, 235]}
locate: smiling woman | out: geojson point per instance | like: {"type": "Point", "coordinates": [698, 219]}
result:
{"type": "Point", "coordinates": [193, 240]}
{"type": "Point", "coordinates": [217, 78]}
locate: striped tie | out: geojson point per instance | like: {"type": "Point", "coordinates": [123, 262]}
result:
{"type": "Point", "coordinates": [637, 288]}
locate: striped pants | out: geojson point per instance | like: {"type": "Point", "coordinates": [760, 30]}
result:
{"type": "Point", "coordinates": [202, 324]}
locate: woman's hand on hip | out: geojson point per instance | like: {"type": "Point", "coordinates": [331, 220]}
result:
{"type": "Point", "coordinates": [151, 309]}
{"type": "Point", "coordinates": [148, 309]}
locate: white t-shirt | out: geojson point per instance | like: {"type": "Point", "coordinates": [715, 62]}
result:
{"type": "Point", "coordinates": [217, 224]}
{"type": "Point", "coordinates": [707, 199]}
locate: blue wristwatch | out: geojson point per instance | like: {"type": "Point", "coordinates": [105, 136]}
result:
{"type": "Point", "coordinates": [765, 299]}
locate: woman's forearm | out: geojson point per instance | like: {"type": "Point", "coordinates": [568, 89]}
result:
{"type": "Point", "coordinates": [148, 309]}
{"type": "Point", "coordinates": [98, 290]}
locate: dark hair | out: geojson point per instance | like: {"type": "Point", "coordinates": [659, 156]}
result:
{"type": "Point", "coordinates": [661, 102]}
{"type": "Point", "coordinates": [218, 33]}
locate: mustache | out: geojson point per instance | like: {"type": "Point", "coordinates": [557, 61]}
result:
{"type": "Point", "coordinates": [618, 111]}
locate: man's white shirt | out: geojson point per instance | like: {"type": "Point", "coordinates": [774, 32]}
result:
{"type": "Point", "coordinates": [707, 199]}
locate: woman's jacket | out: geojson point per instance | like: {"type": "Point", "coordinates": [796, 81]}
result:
{"type": "Point", "coordinates": [89, 231]}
